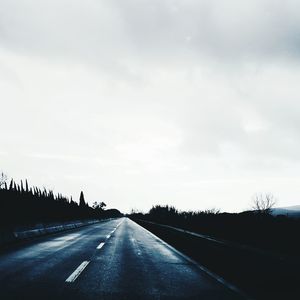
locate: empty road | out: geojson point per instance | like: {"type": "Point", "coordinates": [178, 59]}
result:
{"type": "Point", "coordinates": [116, 259]}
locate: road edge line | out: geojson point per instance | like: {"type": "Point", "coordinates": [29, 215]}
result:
{"type": "Point", "coordinates": [202, 268]}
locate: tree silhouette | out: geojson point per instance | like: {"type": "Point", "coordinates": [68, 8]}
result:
{"type": "Point", "coordinates": [21, 204]}
{"type": "Point", "coordinates": [26, 186]}
{"type": "Point", "coordinates": [81, 200]}
{"type": "Point", "coordinates": [263, 203]}
{"type": "Point", "coordinates": [99, 205]}
{"type": "Point", "coordinates": [11, 185]}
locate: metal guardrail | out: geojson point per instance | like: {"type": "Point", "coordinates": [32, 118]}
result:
{"type": "Point", "coordinates": [227, 243]}
{"type": "Point", "coordinates": [9, 237]}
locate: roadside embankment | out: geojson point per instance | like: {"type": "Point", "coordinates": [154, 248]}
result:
{"type": "Point", "coordinates": [13, 235]}
{"type": "Point", "coordinates": [261, 274]}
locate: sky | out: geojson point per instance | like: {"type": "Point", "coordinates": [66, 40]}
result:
{"type": "Point", "coordinates": [192, 103]}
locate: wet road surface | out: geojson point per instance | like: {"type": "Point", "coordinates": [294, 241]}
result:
{"type": "Point", "coordinates": [116, 259]}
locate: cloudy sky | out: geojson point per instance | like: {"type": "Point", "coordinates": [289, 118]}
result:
{"type": "Point", "coordinates": [193, 103]}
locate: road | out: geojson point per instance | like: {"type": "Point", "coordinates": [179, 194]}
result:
{"type": "Point", "coordinates": [116, 259]}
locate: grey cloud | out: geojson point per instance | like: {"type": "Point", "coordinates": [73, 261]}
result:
{"type": "Point", "coordinates": [109, 32]}
{"type": "Point", "coordinates": [155, 93]}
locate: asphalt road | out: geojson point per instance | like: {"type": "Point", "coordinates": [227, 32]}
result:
{"type": "Point", "coordinates": [117, 259]}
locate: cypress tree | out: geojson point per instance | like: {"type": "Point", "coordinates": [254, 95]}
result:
{"type": "Point", "coordinates": [81, 200]}
{"type": "Point", "coordinates": [11, 185]}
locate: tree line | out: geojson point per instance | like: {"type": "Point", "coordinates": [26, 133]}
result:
{"type": "Point", "coordinates": [22, 204]}
{"type": "Point", "coordinates": [257, 227]}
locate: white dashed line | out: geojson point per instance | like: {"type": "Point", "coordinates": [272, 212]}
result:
{"type": "Point", "coordinates": [119, 224]}
{"type": "Point", "coordinates": [100, 245]}
{"type": "Point", "coordinates": [108, 236]}
{"type": "Point", "coordinates": [77, 272]}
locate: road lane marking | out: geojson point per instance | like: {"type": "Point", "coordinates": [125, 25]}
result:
{"type": "Point", "coordinates": [108, 236]}
{"type": "Point", "coordinates": [204, 269]}
{"type": "Point", "coordinates": [120, 223]}
{"type": "Point", "coordinates": [100, 245]}
{"type": "Point", "coordinates": [77, 272]}
{"type": "Point", "coordinates": [113, 231]}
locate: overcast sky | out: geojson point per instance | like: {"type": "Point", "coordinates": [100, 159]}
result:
{"type": "Point", "coordinates": [193, 103]}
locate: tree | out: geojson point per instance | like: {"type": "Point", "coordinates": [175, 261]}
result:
{"type": "Point", "coordinates": [102, 205]}
{"type": "Point", "coordinates": [11, 185]}
{"type": "Point", "coordinates": [81, 200]}
{"type": "Point", "coordinates": [99, 205]}
{"type": "Point", "coordinates": [3, 179]}
{"type": "Point", "coordinates": [22, 187]}
{"type": "Point", "coordinates": [26, 186]}
{"type": "Point", "coordinates": [263, 203]}
{"type": "Point", "coordinates": [211, 211]}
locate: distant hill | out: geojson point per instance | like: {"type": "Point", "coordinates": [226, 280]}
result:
{"type": "Point", "coordinates": [291, 211]}
{"type": "Point", "coordinates": [294, 207]}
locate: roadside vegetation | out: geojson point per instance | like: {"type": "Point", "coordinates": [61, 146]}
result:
{"type": "Point", "coordinates": [22, 204]}
{"type": "Point", "coordinates": [256, 227]}
{"type": "Point", "coordinates": [253, 250]}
